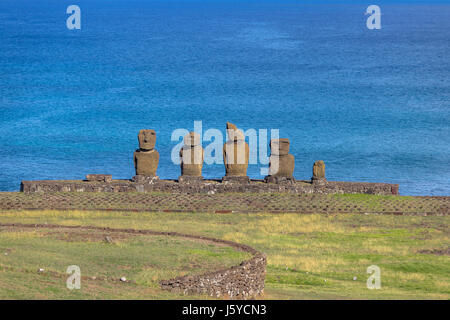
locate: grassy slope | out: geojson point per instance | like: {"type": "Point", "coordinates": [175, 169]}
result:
{"type": "Point", "coordinates": [309, 256]}
{"type": "Point", "coordinates": [143, 260]}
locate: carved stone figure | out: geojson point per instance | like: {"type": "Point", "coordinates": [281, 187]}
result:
{"type": "Point", "coordinates": [281, 163]}
{"type": "Point", "coordinates": [318, 173]}
{"type": "Point", "coordinates": [146, 158]}
{"type": "Point", "coordinates": [191, 155]}
{"type": "Point", "coordinates": [236, 153]}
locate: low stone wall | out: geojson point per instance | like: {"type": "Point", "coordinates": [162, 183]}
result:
{"type": "Point", "coordinates": [238, 282]}
{"type": "Point", "coordinates": [209, 186]}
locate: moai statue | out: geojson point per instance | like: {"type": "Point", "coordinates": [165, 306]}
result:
{"type": "Point", "coordinates": [146, 158]}
{"type": "Point", "coordinates": [281, 163]}
{"type": "Point", "coordinates": [319, 173]}
{"type": "Point", "coordinates": [191, 155]}
{"type": "Point", "coordinates": [235, 155]}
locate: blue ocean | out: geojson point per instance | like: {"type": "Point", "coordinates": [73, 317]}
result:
{"type": "Point", "coordinates": [373, 104]}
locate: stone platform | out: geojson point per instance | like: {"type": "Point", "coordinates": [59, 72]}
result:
{"type": "Point", "coordinates": [208, 186]}
{"type": "Point", "coordinates": [223, 203]}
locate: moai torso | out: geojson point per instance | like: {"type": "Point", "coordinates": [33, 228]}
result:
{"type": "Point", "coordinates": [191, 155]}
{"type": "Point", "coordinates": [282, 166]}
{"type": "Point", "coordinates": [146, 162]}
{"type": "Point", "coordinates": [319, 170]}
{"type": "Point", "coordinates": [235, 157]}
{"type": "Point", "coordinates": [235, 153]}
{"type": "Point", "coordinates": [146, 158]}
{"type": "Point", "coordinates": [281, 163]}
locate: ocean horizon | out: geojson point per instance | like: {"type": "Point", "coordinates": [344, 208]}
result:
{"type": "Point", "coordinates": [373, 104]}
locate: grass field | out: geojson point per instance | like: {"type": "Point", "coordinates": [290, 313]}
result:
{"type": "Point", "coordinates": [309, 256]}
{"type": "Point", "coordinates": [103, 256]}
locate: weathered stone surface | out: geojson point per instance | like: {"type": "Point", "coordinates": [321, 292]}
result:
{"type": "Point", "coordinates": [319, 169]}
{"type": "Point", "coordinates": [191, 155]}
{"type": "Point", "coordinates": [190, 179]}
{"type": "Point", "coordinates": [319, 173]}
{"type": "Point", "coordinates": [234, 134]}
{"type": "Point", "coordinates": [146, 162]}
{"type": "Point", "coordinates": [99, 177]}
{"type": "Point", "coordinates": [144, 179]}
{"type": "Point", "coordinates": [235, 157]}
{"type": "Point", "coordinates": [240, 282]}
{"type": "Point", "coordinates": [279, 180]}
{"type": "Point", "coordinates": [236, 153]}
{"type": "Point", "coordinates": [152, 184]}
{"type": "Point", "coordinates": [279, 146]}
{"type": "Point", "coordinates": [146, 158]}
{"type": "Point", "coordinates": [192, 139]}
{"type": "Point", "coordinates": [281, 163]}
{"type": "Point", "coordinates": [147, 139]}
{"type": "Point", "coordinates": [236, 179]}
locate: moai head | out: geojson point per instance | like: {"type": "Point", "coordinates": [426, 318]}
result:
{"type": "Point", "coordinates": [192, 139]}
{"type": "Point", "coordinates": [279, 146]}
{"type": "Point", "coordinates": [319, 170]}
{"type": "Point", "coordinates": [234, 133]}
{"type": "Point", "coordinates": [147, 139]}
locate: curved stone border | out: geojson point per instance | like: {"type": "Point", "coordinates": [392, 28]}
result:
{"type": "Point", "coordinates": [237, 282]}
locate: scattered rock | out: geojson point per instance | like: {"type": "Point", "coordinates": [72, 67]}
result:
{"type": "Point", "coordinates": [109, 239]}
{"type": "Point", "coordinates": [40, 270]}
{"type": "Point", "coordinates": [439, 252]}
{"type": "Point", "coordinates": [241, 282]}
{"type": "Point", "coordinates": [123, 279]}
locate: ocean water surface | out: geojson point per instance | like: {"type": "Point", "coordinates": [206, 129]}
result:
{"type": "Point", "coordinates": [373, 104]}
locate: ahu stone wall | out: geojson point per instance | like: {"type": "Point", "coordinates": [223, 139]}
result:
{"type": "Point", "coordinates": [208, 186]}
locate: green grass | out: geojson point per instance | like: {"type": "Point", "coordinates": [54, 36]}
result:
{"type": "Point", "coordinates": [309, 256]}
{"type": "Point", "coordinates": [143, 259]}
